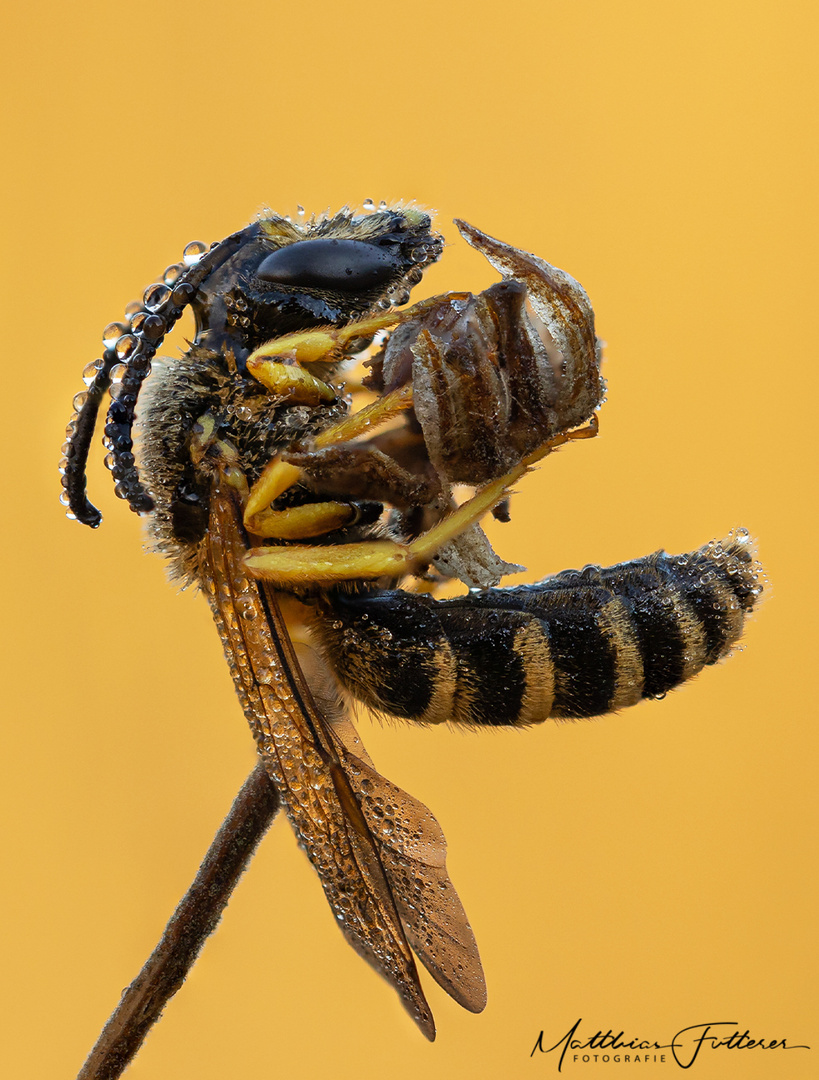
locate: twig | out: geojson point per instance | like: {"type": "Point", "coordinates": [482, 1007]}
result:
{"type": "Point", "coordinates": [194, 919]}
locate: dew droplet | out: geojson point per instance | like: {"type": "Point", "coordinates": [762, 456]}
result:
{"type": "Point", "coordinates": [125, 346]}
{"type": "Point", "coordinates": [112, 333]}
{"type": "Point", "coordinates": [172, 273]}
{"type": "Point", "coordinates": [246, 608]}
{"type": "Point", "coordinates": [193, 252]}
{"type": "Point", "coordinates": [89, 372]}
{"type": "Point", "coordinates": [183, 293]}
{"type": "Point", "coordinates": [156, 295]}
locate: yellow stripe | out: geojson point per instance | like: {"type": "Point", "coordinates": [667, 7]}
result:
{"type": "Point", "coordinates": [629, 679]}
{"type": "Point", "coordinates": [532, 646]}
{"type": "Point", "coordinates": [466, 690]}
{"type": "Point", "coordinates": [441, 707]}
{"type": "Point", "coordinates": [691, 629]}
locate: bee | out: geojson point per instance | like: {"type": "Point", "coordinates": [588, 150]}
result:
{"type": "Point", "coordinates": [264, 486]}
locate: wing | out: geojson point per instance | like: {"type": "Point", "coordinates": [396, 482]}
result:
{"type": "Point", "coordinates": [380, 854]}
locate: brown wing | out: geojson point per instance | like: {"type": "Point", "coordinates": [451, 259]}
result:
{"type": "Point", "coordinates": [412, 848]}
{"type": "Point", "coordinates": [378, 852]}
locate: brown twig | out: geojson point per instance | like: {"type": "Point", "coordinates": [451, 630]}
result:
{"type": "Point", "coordinates": [194, 919]}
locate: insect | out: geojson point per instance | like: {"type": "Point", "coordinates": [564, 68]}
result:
{"type": "Point", "coordinates": [263, 485]}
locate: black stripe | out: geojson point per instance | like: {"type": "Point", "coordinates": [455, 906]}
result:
{"type": "Point", "coordinates": [488, 667]}
{"type": "Point", "coordinates": [399, 681]}
{"type": "Point", "coordinates": [693, 576]}
{"type": "Point", "coordinates": [645, 596]}
{"type": "Point", "coordinates": [584, 657]}
{"type": "Point", "coordinates": [383, 646]}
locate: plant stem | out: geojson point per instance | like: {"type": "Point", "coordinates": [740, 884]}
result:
{"type": "Point", "coordinates": [195, 918]}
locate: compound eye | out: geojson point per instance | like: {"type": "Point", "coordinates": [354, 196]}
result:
{"type": "Point", "coordinates": [340, 265]}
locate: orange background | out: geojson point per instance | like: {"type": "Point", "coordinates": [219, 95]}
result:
{"type": "Point", "coordinates": [648, 871]}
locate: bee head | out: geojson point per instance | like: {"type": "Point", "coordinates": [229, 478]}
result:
{"type": "Point", "coordinates": [290, 276]}
{"type": "Point", "coordinates": [271, 278]}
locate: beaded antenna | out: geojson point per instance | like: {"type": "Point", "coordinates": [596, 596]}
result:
{"type": "Point", "coordinates": [268, 483]}
{"type": "Point", "coordinates": [129, 349]}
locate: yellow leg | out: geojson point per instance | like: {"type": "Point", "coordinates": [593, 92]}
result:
{"type": "Point", "coordinates": [290, 381]}
{"type": "Point", "coordinates": [277, 476]}
{"type": "Point", "coordinates": [302, 566]}
{"type": "Point", "coordinates": [324, 566]}
{"type": "Point", "coordinates": [302, 522]}
{"type": "Point", "coordinates": [371, 416]}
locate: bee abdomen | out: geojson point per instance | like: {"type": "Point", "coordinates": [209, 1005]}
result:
{"type": "Point", "coordinates": [578, 644]}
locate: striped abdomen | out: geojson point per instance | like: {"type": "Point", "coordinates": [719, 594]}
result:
{"type": "Point", "coordinates": [578, 644]}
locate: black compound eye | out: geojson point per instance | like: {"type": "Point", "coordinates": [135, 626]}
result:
{"type": "Point", "coordinates": [340, 265]}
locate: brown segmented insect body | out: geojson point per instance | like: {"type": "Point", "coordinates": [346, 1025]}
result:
{"type": "Point", "coordinates": [261, 483]}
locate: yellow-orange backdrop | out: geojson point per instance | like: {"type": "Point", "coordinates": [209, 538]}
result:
{"type": "Point", "coordinates": [646, 872]}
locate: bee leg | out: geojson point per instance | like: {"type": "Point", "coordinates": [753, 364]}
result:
{"type": "Point", "coordinates": [278, 475]}
{"type": "Point", "coordinates": [297, 567]}
{"type": "Point", "coordinates": [287, 379]}
{"type": "Point", "coordinates": [303, 522]}
{"type": "Point", "coordinates": [326, 345]}
{"type": "Point", "coordinates": [325, 566]}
